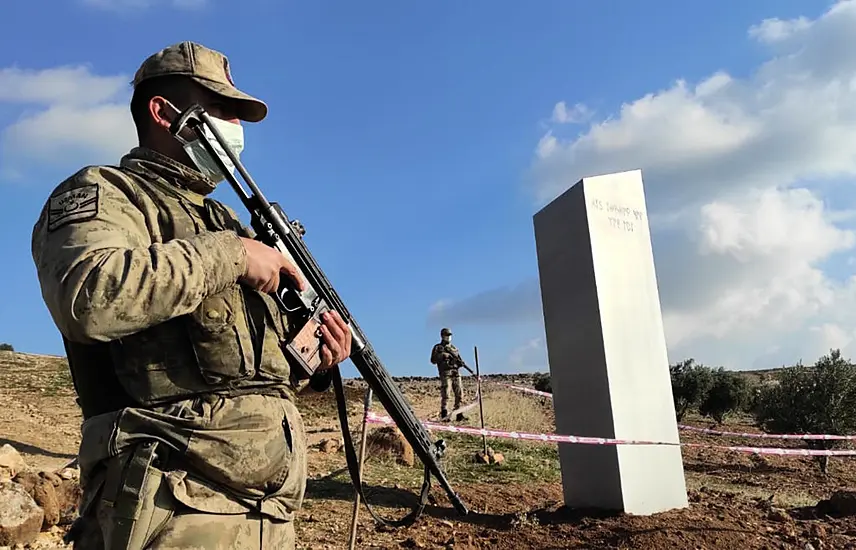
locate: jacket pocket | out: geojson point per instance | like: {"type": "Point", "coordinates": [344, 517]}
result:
{"type": "Point", "coordinates": [290, 486]}
{"type": "Point", "coordinates": [220, 335]}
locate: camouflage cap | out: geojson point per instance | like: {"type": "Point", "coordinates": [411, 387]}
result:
{"type": "Point", "coordinates": [445, 332]}
{"type": "Point", "coordinates": [205, 66]}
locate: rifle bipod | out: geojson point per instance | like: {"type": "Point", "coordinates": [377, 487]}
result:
{"type": "Point", "coordinates": [354, 467]}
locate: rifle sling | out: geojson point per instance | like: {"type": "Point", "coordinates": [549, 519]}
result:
{"type": "Point", "coordinates": [354, 467]}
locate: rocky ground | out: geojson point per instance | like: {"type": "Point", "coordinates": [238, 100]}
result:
{"type": "Point", "coordinates": [737, 500]}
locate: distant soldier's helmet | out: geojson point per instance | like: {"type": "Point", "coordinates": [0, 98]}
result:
{"type": "Point", "coordinates": [445, 332]}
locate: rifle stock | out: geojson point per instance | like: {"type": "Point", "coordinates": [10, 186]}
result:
{"type": "Point", "coordinates": [304, 309]}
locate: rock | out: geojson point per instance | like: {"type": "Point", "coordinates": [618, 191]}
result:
{"type": "Point", "coordinates": [20, 517]}
{"type": "Point", "coordinates": [27, 480]}
{"type": "Point", "coordinates": [11, 462]}
{"type": "Point", "coordinates": [389, 441]}
{"type": "Point", "coordinates": [45, 496]}
{"type": "Point", "coordinates": [329, 446]}
{"type": "Point", "coordinates": [777, 514]}
{"type": "Point", "coordinates": [69, 473]}
{"type": "Point", "coordinates": [68, 499]}
{"type": "Point", "coordinates": [57, 497]}
{"type": "Point", "coordinates": [50, 540]}
{"type": "Point", "coordinates": [492, 457]}
{"type": "Point", "coordinates": [53, 478]}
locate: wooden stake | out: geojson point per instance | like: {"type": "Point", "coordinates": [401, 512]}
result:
{"type": "Point", "coordinates": [478, 391]}
{"type": "Point", "coordinates": [356, 513]}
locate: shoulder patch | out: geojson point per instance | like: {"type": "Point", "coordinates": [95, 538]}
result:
{"type": "Point", "coordinates": [73, 205]}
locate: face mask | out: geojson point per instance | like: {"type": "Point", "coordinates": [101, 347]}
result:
{"type": "Point", "coordinates": [447, 339]}
{"type": "Point", "coordinates": [233, 135]}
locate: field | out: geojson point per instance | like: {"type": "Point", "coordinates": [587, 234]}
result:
{"type": "Point", "coordinates": [737, 500]}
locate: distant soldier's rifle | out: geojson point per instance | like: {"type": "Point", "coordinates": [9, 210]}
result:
{"type": "Point", "coordinates": [304, 310]}
{"type": "Point", "coordinates": [458, 362]}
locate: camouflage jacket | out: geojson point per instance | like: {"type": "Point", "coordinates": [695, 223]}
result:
{"type": "Point", "coordinates": [445, 356]}
{"type": "Point", "coordinates": [139, 271]}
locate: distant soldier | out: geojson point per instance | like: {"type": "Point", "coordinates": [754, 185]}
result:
{"type": "Point", "coordinates": [448, 361]}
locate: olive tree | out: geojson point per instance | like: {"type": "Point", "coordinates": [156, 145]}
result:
{"type": "Point", "coordinates": [690, 384]}
{"type": "Point", "coordinates": [811, 399]}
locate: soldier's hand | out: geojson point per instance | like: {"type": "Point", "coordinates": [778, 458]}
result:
{"type": "Point", "coordinates": [264, 265]}
{"type": "Point", "coordinates": [337, 340]}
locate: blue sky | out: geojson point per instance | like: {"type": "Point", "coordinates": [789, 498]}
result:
{"type": "Point", "coordinates": [406, 137]}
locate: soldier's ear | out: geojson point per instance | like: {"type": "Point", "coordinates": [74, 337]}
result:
{"type": "Point", "coordinates": [161, 112]}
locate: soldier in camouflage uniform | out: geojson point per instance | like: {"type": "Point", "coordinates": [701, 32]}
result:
{"type": "Point", "coordinates": [191, 437]}
{"type": "Point", "coordinates": [448, 360]}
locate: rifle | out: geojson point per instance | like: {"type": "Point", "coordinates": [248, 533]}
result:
{"type": "Point", "coordinates": [457, 361]}
{"type": "Point", "coordinates": [304, 310]}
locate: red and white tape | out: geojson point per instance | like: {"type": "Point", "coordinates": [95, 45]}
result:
{"type": "Point", "coordinates": [769, 436]}
{"type": "Point", "coordinates": [374, 418]}
{"type": "Point", "coordinates": [802, 437]}
{"type": "Point", "coordinates": [527, 390]}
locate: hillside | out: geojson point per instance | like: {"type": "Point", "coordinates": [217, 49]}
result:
{"type": "Point", "coordinates": [737, 500]}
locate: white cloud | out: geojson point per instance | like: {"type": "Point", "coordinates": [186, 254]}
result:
{"type": "Point", "coordinates": [58, 85]}
{"type": "Point", "coordinates": [577, 114]}
{"type": "Point", "coordinates": [761, 277]}
{"type": "Point", "coordinates": [793, 120]}
{"type": "Point", "coordinates": [68, 116]}
{"type": "Point", "coordinates": [734, 165]}
{"type": "Point", "coordinates": [771, 31]}
{"type": "Point", "coordinates": [739, 173]}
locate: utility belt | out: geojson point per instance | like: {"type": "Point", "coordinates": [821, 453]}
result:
{"type": "Point", "coordinates": [131, 499]}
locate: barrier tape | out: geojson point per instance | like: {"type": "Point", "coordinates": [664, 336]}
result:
{"type": "Point", "coordinates": [769, 436]}
{"type": "Point", "coordinates": [527, 390]}
{"type": "Point", "coordinates": [799, 437]}
{"type": "Point", "coordinates": [374, 418]}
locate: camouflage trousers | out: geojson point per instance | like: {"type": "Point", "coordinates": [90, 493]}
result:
{"type": "Point", "coordinates": [129, 504]}
{"type": "Point", "coordinates": [187, 528]}
{"type": "Point", "coordinates": [450, 379]}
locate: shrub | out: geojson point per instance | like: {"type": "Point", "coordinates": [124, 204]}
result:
{"type": "Point", "coordinates": [728, 392]}
{"type": "Point", "coordinates": [690, 384]}
{"type": "Point", "coordinates": [543, 382]}
{"type": "Point", "coordinates": [6, 347]}
{"type": "Point", "coordinates": [819, 399]}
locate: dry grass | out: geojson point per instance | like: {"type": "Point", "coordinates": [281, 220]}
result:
{"type": "Point", "coordinates": [47, 375]}
{"type": "Point", "coordinates": [524, 461]}
{"type": "Point", "coordinates": [513, 411]}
